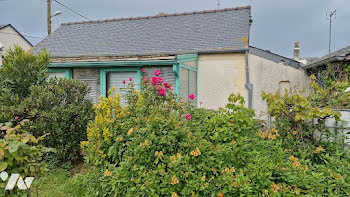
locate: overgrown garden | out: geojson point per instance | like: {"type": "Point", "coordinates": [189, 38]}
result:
{"type": "Point", "coordinates": [159, 145]}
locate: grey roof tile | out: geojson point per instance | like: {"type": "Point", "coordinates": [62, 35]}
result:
{"type": "Point", "coordinates": [161, 34]}
{"type": "Point", "coordinates": [339, 53]}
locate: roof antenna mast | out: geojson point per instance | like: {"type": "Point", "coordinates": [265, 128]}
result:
{"type": "Point", "coordinates": [218, 3]}
{"type": "Point", "coordinates": [330, 16]}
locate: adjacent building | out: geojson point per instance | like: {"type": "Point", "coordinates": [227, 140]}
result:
{"type": "Point", "coordinates": [9, 37]}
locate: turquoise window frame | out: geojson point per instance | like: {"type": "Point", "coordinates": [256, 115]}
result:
{"type": "Point", "coordinates": [67, 71]}
{"type": "Point", "coordinates": [103, 77]}
{"type": "Point", "coordinates": [181, 60]}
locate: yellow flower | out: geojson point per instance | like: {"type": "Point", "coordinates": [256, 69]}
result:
{"type": "Point", "coordinates": [174, 194]}
{"type": "Point", "coordinates": [108, 173]}
{"type": "Point", "coordinates": [196, 152]}
{"type": "Point", "coordinates": [130, 131]}
{"type": "Point", "coordinates": [203, 178]}
{"type": "Point", "coordinates": [174, 180]}
{"type": "Point", "coordinates": [318, 149]}
{"type": "Point", "coordinates": [132, 179]}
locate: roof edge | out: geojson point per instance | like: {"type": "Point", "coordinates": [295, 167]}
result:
{"type": "Point", "coordinates": [160, 15]}
{"type": "Point", "coordinates": [325, 61]}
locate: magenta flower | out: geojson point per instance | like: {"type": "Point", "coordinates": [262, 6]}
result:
{"type": "Point", "coordinates": [123, 81]}
{"type": "Point", "coordinates": [144, 79]}
{"type": "Point", "coordinates": [154, 80]}
{"type": "Point", "coordinates": [188, 117]}
{"type": "Point", "coordinates": [157, 72]}
{"type": "Point", "coordinates": [166, 85]}
{"type": "Point", "coordinates": [16, 118]}
{"type": "Point", "coordinates": [160, 79]}
{"type": "Point", "coordinates": [130, 79]}
{"type": "Point", "coordinates": [143, 70]}
{"type": "Point", "coordinates": [191, 96]}
{"type": "Point", "coordinates": [161, 91]}
{"type": "Point", "coordinates": [231, 122]}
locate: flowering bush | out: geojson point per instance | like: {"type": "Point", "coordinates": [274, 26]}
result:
{"type": "Point", "coordinates": [157, 146]}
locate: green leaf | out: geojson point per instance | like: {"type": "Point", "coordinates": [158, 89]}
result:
{"type": "Point", "coordinates": [13, 147]}
{"type": "Point", "coordinates": [3, 166]}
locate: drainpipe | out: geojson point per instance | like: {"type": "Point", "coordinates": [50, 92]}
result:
{"type": "Point", "coordinates": [248, 85]}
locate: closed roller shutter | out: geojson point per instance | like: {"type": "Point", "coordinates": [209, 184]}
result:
{"type": "Point", "coordinates": [184, 84]}
{"type": "Point", "coordinates": [56, 74]}
{"type": "Point", "coordinates": [166, 72]}
{"type": "Point", "coordinates": [115, 79]}
{"type": "Point", "coordinates": [91, 76]}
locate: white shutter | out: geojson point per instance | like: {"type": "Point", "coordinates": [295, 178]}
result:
{"type": "Point", "coordinates": [91, 76]}
{"type": "Point", "coordinates": [115, 79]}
{"type": "Point", "coordinates": [56, 74]}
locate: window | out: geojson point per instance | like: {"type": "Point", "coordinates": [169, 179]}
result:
{"type": "Point", "coordinates": [116, 78]}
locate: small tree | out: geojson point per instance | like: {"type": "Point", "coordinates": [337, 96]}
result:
{"type": "Point", "coordinates": [21, 70]}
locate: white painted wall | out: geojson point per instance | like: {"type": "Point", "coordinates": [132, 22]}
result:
{"type": "Point", "coordinates": [220, 75]}
{"type": "Point", "coordinates": [269, 76]}
{"type": "Point", "coordinates": [9, 38]}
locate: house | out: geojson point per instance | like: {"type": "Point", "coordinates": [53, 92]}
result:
{"type": "Point", "coordinates": [206, 53]}
{"type": "Point", "coordinates": [338, 57]}
{"type": "Point", "coordinates": [9, 37]}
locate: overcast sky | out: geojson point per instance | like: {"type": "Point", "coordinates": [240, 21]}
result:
{"type": "Point", "coordinates": [277, 24]}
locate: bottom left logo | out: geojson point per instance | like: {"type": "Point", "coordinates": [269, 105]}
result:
{"type": "Point", "coordinates": [15, 178]}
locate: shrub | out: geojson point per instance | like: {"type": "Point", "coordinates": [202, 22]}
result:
{"type": "Point", "coordinates": [157, 146]}
{"type": "Point", "coordinates": [22, 70]}
{"type": "Point", "coordinates": [59, 110]}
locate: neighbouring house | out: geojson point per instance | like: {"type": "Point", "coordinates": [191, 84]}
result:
{"type": "Point", "coordinates": [9, 37]}
{"type": "Point", "coordinates": [339, 57]}
{"type": "Point", "coordinates": [206, 53]}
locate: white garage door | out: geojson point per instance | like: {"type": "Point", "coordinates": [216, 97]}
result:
{"type": "Point", "coordinates": [115, 79]}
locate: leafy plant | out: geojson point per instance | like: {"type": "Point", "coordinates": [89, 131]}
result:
{"type": "Point", "coordinates": [20, 153]}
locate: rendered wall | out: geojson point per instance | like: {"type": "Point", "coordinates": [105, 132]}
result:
{"type": "Point", "coordinates": [9, 37]}
{"type": "Point", "coordinates": [220, 75]}
{"type": "Point", "coordinates": [269, 76]}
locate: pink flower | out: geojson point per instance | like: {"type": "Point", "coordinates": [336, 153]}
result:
{"type": "Point", "coordinates": [167, 85]}
{"type": "Point", "coordinates": [145, 79]}
{"type": "Point", "coordinates": [188, 117]}
{"type": "Point", "coordinates": [130, 79]}
{"type": "Point", "coordinates": [143, 70]}
{"type": "Point", "coordinates": [191, 96]}
{"type": "Point", "coordinates": [123, 81]}
{"type": "Point", "coordinates": [154, 80]}
{"type": "Point", "coordinates": [231, 122]}
{"type": "Point", "coordinates": [157, 72]}
{"type": "Point", "coordinates": [16, 118]}
{"type": "Point", "coordinates": [160, 79]}
{"type": "Point", "coordinates": [161, 91]}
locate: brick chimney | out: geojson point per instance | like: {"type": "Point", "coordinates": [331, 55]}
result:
{"type": "Point", "coordinates": [296, 54]}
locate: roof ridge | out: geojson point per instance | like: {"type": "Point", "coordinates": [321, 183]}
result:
{"type": "Point", "coordinates": [160, 15]}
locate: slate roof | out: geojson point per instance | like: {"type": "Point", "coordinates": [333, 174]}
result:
{"type": "Point", "coordinates": [274, 57]}
{"type": "Point", "coordinates": [190, 32]}
{"type": "Point", "coordinates": [324, 59]}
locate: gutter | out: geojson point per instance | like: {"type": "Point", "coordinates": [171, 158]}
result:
{"type": "Point", "coordinates": [248, 85]}
{"type": "Point", "coordinates": [323, 62]}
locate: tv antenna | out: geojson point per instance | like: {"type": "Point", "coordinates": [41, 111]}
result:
{"type": "Point", "coordinates": [218, 3]}
{"type": "Point", "coordinates": [330, 16]}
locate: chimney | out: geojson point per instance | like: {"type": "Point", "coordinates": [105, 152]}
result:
{"type": "Point", "coordinates": [296, 55]}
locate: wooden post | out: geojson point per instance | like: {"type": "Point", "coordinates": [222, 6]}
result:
{"type": "Point", "coordinates": [48, 17]}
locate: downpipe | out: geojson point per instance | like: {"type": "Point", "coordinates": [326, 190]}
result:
{"type": "Point", "coordinates": [248, 85]}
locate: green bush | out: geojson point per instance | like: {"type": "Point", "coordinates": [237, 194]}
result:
{"type": "Point", "coordinates": [60, 110]}
{"type": "Point", "coordinates": [56, 107]}
{"type": "Point", "coordinates": [22, 70]}
{"type": "Point", "coordinates": [157, 146]}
